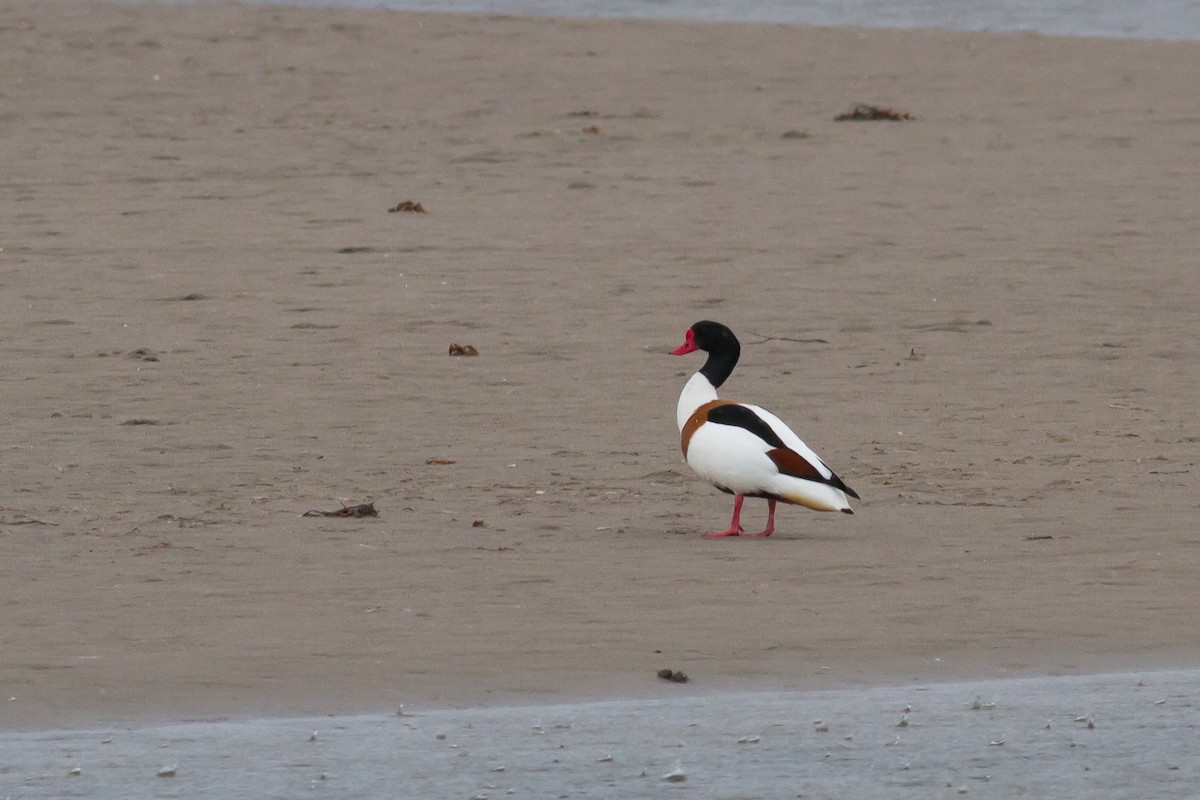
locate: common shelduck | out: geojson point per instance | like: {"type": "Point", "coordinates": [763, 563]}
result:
{"type": "Point", "coordinates": [742, 449]}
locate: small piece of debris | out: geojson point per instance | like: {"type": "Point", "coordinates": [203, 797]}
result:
{"type": "Point", "coordinates": [675, 676]}
{"type": "Point", "coordinates": [604, 759]}
{"type": "Point", "coordinates": [479, 523]}
{"type": "Point", "coordinates": [1038, 538]}
{"type": "Point", "coordinates": [863, 111]}
{"type": "Point", "coordinates": [463, 350]}
{"type": "Point", "coordinates": [593, 129]}
{"type": "Point", "coordinates": [441, 462]}
{"type": "Point", "coordinates": [409, 206]}
{"type": "Point", "coordinates": [144, 354]}
{"type": "Point", "coordinates": [361, 510]}
{"type": "Point", "coordinates": [167, 771]}
{"type": "Point", "coordinates": [675, 777]}
{"type": "Point", "coordinates": [749, 740]}
{"type": "Point", "coordinates": [312, 737]}
{"type": "Point", "coordinates": [75, 771]}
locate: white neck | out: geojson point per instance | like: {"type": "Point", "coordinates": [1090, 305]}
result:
{"type": "Point", "coordinates": [696, 392]}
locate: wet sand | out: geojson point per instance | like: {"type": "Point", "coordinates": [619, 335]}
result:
{"type": "Point", "coordinates": [214, 324]}
{"type": "Point", "coordinates": [1121, 736]}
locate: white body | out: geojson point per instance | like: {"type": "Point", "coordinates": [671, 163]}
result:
{"type": "Point", "coordinates": [736, 460]}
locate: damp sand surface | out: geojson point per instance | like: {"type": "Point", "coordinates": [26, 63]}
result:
{"type": "Point", "coordinates": [1121, 735]}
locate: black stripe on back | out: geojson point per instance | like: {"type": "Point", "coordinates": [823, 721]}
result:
{"type": "Point", "coordinates": [742, 417]}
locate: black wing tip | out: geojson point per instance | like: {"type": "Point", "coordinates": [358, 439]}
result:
{"type": "Point", "coordinates": [847, 510]}
{"type": "Point", "coordinates": [838, 483]}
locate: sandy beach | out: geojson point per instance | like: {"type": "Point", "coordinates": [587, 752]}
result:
{"type": "Point", "coordinates": [983, 318]}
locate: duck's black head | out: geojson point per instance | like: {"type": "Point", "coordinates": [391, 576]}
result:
{"type": "Point", "coordinates": [721, 345]}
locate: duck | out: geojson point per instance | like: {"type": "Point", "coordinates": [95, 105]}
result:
{"type": "Point", "coordinates": [742, 449]}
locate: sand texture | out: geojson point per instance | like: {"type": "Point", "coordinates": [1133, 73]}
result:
{"type": "Point", "coordinates": [984, 319]}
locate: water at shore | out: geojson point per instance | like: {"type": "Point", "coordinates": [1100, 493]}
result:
{"type": "Point", "coordinates": [1126, 735]}
{"type": "Point", "coordinates": [1158, 19]}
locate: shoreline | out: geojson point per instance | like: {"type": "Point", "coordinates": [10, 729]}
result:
{"type": "Point", "coordinates": [456, 697]}
{"type": "Point", "coordinates": [1097, 26]}
{"type": "Point", "coordinates": [989, 737]}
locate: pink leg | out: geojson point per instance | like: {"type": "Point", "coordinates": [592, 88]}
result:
{"type": "Point", "coordinates": [767, 531]}
{"type": "Point", "coordinates": [735, 527]}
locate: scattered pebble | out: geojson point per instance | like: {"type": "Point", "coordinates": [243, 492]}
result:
{"type": "Point", "coordinates": [675, 777]}
{"type": "Point", "coordinates": [75, 771]}
{"type": "Point", "coordinates": [749, 740]}
{"type": "Point", "coordinates": [167, 771]}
